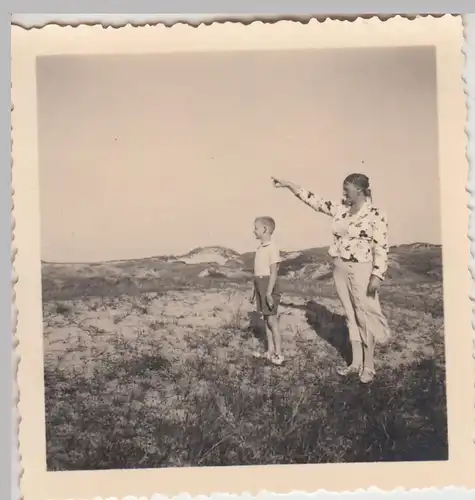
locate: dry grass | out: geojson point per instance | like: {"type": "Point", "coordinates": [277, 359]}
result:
{"type": "Point", "coordinates": [166, 378]}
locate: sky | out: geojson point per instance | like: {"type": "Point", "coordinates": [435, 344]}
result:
{"type": "Point", "coordinates": [143, 155]}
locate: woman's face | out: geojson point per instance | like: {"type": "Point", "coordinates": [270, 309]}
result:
{"type": "Point", "coordinates": [351, 192]}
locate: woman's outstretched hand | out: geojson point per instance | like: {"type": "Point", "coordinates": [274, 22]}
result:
{"type": "Point", "coordinates": [279, 183]}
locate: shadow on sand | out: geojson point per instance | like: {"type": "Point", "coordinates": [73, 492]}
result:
{"type": "Point", "coordinates": [328, 325]}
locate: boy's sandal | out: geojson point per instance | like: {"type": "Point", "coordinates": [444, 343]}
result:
{"type": "Point", "coordinates": [277, 360]}
{"type": "Point", "coordinates": [367, 376]}
{"type": "Point", "coordinates": [349, 370]}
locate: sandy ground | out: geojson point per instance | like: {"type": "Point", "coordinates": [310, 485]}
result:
{"type": "Point", "coordinates": [78, 331]}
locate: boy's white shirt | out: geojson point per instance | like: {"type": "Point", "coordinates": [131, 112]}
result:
{"type": "Point", "coordinates": [266, 255]}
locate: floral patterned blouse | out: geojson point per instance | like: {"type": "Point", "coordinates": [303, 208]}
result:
{"type": "Point", "coordinates": [360, 237]}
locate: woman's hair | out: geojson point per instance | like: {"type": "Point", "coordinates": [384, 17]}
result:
{"type": "Point", "coordinates": [361, 181]}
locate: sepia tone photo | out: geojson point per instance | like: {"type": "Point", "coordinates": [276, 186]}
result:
{"type": "Point", "coordinates": [160, 220]}
{"type": "Point", "coordinates": [242, 258]}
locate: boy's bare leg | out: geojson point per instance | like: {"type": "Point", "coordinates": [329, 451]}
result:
{"type": "Point", "coordinates": [271, 347]}
{"type": "Point", "coordinates": [273, 327]}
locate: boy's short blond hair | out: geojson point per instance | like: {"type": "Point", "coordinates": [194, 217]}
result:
{"type": "Point", "coordinates": [268, 222]}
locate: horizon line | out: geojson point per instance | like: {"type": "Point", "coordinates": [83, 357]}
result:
{"type": "Point", "coordinates": [214, 246]}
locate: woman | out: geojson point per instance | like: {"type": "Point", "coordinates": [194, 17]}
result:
{"type": "Point", "coordinates": [360, 261]}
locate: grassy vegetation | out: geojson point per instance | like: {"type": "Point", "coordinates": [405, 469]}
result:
{"type": "Point", "coordinates": [238, 412]}
{"type": "Point", "coordinates": [160, 374]}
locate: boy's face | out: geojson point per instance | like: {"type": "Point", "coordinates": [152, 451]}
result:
{"type": "Point", "coordinates": [259, 229]}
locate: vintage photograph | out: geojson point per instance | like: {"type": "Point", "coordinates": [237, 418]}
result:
{"type": "Point", "coordinates": [261, 288]}
{"type": "Point", "coordinates": [241, 246]}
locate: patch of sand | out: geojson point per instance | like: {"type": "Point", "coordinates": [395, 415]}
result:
{"type": "Point", "coordinates": [184, 323]}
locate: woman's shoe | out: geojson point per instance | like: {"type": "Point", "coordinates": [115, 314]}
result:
{"type": "Point", "coordinates": [262, 355]}
{"type": "Point", "coordinates": [367, 376]}
{"type": "Point", "coordinates": [349, 370]}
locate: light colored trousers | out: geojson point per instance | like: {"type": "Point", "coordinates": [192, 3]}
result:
{"type": "Point", "coordinates": [363, 312]}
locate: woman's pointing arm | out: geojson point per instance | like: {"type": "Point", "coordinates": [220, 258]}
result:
{"type": "Point", "coordinates": [313, 201]}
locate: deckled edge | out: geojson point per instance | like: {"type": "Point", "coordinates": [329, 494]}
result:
{"type": "Point", "coordinates": [467, 77]}
{"type": "Point", "coordinates": [14, 319]}
{"type": "Point", "coordinates": [258, 19]}
{"type": "Point", "coordinates": [295, 495]}
{"type": "Point", "coordinates": [235, 19]}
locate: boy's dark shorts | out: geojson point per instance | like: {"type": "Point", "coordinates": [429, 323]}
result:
{"type": "Point", "coordinates": [261, 283]}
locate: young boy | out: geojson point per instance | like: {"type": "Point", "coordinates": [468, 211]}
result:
{"type": "Point", "coordinates": [266, 293]}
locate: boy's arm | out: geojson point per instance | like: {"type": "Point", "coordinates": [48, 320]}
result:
{"type": "Point", "coordinates": [274, 268]}
{"type": "Point", "coordinates": [272, 279]}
